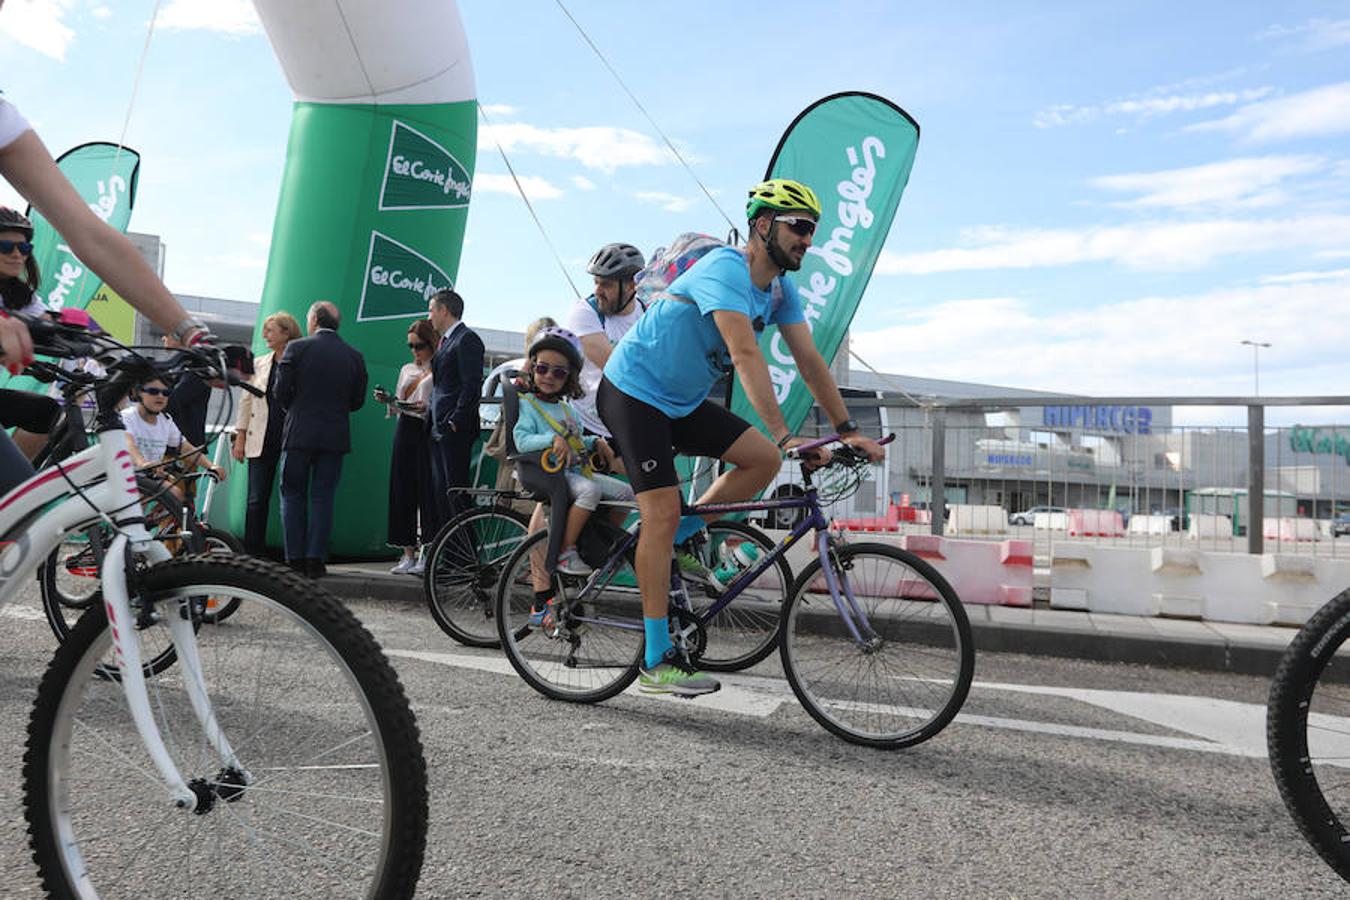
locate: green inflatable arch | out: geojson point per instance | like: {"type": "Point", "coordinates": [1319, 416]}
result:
{"type": "Point", "coordinates": [374, 199]}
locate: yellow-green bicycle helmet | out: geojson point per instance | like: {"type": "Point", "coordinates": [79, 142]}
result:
{"type": "Point", "coordinates": [781, 193]}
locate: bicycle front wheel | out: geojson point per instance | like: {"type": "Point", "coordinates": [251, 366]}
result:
{"type": "Point", "coordinates": [462, 566]}
{"type": "Point", "coordinates": [905, 673]}
{"type": "Point", "coordinates": [589, 648]}
{"type": "Point", "coordinates": [337, 802]}
{"type": "Point", "coordinates": [1308, 732]}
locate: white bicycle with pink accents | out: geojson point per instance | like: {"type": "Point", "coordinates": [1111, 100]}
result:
{"type": "Point", "coordinates": [273, 754]}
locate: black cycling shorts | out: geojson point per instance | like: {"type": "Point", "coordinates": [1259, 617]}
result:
{"type": "Point", "coordinates": [37, 413]}
{"type": "Point", "coordinates": [649, 438]}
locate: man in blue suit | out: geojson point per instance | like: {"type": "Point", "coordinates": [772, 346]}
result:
{"type": "Point", "coordinates": [456, 384]}
{"type": "Point", "coordinates": [320, 382]}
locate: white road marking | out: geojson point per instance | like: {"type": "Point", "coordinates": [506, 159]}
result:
{"type": "Point", "coordinates": [1215, 726]}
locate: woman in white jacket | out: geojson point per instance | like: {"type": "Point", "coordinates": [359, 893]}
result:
{"type": "Point", "coordinates": [257, 435]}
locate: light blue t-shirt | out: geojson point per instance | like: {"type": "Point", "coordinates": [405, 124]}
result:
{"type": "Point", "coordinates": [533, 432]}
{"type": "Point", "coordinates": [674, 354]}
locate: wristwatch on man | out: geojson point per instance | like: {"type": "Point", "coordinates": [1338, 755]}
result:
{"type": "Point", "coordinates": [848, 426]}
{"type": "Point", "coordinates": [186, 327]}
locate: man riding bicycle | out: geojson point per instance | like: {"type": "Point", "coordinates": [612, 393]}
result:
{"type": "Point", "coordinates": [654, 397]}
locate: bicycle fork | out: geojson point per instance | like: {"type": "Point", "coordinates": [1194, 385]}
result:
{"type": "Point", "coordinates": [841, 592]}
{"type": "Point", "coordinates": [127, 652]}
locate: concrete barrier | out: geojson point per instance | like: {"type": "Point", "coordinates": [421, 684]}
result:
{"type": "Point", "coordinates": [966, 518]}
{"type": "Point", "coordinates": [1058, 521]}
{"type": "Point", "coordinates": [1150, 525]}
{"type": "Point", "coordinates": [1202, 526]}
{"type": "Point", "coordinates": [1096, 523]}
{"type": "Point", "coordinates": [1290, 528]}
{"type": "Point", "coordinates": [1272, 588]}
{"type": "Point", "coordinates": [982, 572]}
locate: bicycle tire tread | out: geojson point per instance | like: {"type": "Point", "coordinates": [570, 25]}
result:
{"type": "Point", "coordinates": [1291, 692]}
{"type": "Point", "coordinates": [335, 623]}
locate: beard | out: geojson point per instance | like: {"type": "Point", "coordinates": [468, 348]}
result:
{"type": "Point", "coordinates": [784, 258]}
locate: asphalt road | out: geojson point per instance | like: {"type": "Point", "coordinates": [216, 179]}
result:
{"type": "Point", "coordinates": [1060, 779]}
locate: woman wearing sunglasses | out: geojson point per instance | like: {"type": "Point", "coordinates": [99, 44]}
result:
{"type": "Point", "coordinates": [31, 415]}
{"type": "Point", "coordinates": [257, 430]}
{"type": "Point", "coordinates": [412, 496]}
{"type": "Point", "coordinates": [28, 166]}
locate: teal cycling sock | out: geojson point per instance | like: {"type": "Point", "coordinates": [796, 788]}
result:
{"type": "Point", "coordinates": [658, 640]}
{"type": "Point", "coordinates": [688, 527]}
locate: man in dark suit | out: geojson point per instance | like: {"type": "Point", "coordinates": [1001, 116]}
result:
{"type": "Point", "coordinates": [320, 382]}
{"type": "Point", "coordinates": [456, 385]}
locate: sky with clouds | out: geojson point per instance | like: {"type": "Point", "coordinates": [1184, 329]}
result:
{"type": "Point", "coordinates": [1105, 199]}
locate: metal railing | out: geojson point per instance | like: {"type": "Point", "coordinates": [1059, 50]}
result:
{"type": "Point", "coordinates": [948, 453]}
{"type": "Point", "coordinates": [1256, 441]}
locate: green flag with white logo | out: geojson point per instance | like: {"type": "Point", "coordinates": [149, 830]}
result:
{"type": "Point", "coordinates": [105, 177]}
{"type": "Point", "coordinates": [855, 150]}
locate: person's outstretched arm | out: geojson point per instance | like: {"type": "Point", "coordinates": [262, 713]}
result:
{"type": "Point", "coordinates": [26, 164]}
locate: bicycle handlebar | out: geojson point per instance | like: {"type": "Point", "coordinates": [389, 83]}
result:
{"type": "Point", "coordinates": [816, 444]}
{"type": "Point", "coordinates": [71, 338]}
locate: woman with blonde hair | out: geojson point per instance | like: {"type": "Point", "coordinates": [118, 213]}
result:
{"type": "Point", "coordinates": [257, 435]}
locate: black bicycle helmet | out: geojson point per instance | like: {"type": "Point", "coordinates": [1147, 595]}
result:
{"type": "Point", "coordinates": [13, 220]}
{"type": "Point", "coordinates": [616, 261]}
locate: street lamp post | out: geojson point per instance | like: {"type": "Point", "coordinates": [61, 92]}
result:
{"type": "Point", "coordinates": [1256, 361]}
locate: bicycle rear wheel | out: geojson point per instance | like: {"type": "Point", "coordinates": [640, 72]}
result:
{"type": "Point", "coordinates": [462, 566]}
{"type": "Point", "coordinates": [907, 676]}
{"type": "Point", "coordinates": [337, 806]}
{"type": "Point", "coordinates": [70, 584]}
{"type": "Point", "coordinates": [213, 540]}
{"type": "Point", "coordinates": [1308, 732]}
{"type": "Point", "coordinates": [69, 579]}
{"type": "Point", "coordinates": [745, 631]}
{"type": "Point", "coordinates": [593, 649]}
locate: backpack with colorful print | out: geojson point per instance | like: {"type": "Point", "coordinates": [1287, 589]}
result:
{"type": "Point", "coordinates": [669, 263]}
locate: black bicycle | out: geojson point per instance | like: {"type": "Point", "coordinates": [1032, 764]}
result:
{"type": "Point", "coordinates": [1308, 731]}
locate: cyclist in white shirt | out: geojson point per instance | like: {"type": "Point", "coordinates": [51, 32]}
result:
{"type": "Point", "coordinates": [601, 319]}
{"type": "Point", "coordinates": [152, 436]}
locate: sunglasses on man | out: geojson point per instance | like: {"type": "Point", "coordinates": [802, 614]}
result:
{"type": "Point", "coordinates": [799, 225]}
{"type": "Point", "coordinates": [8, 247]}
{"type": "Point", "coordinates": [155, 392]}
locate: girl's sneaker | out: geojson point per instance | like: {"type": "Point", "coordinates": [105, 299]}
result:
{"type": "Point", "coordinates": [404, 565]}
{"type": "Point", "coordinates": [736, 558]}
{"type": "Point", "coordinates": [571, 563]}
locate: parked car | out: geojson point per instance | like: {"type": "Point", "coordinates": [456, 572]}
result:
{"type": "Point", "coordinates": [1340, 525]}
{"type": "Point", "coordinates": [1028, 517]}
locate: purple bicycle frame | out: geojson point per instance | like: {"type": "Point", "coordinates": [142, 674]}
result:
{"type": "Point", "coordinates": [852, 614]}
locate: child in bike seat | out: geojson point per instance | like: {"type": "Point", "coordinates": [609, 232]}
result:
{"type": "Point", "coordinates": [547, 422]}
{"type": "Point", "coordinates": [152, 435]}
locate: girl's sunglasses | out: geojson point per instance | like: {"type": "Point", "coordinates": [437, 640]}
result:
{"type": "Point", "coordinates": [548, 371]}
{"type": "Point", "coordinates": [800, 225]}
{"type": "Point", "coordinates": [417, 345]}
{"type": "Point", "coordinates": [8, 247]}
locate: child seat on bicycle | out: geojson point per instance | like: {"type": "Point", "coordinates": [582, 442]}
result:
{"type": "Point", "coordinates": [547, 433]}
